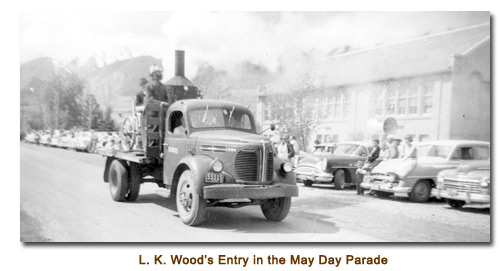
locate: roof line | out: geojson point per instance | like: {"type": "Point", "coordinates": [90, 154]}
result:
{"type": "Point", "coordinates": [408, 41]}
{"type": "Point", "coordinates": [475, 46]}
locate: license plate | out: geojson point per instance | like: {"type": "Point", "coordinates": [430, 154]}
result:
{"type": "Point", "coordinates": [375, 186]}
{"type": "Point", "coordinates": [452, 192]}
{"type": "Point", "coordinates": [215, 177]}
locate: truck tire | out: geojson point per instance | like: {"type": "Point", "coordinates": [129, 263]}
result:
{"type": "Point", "coordinates": [421, 191]}
{"type": "Point", "coordinates": [118, 180]}
{"type": "Point", "coordinates": [339, 179]}
{"type": "Point", "coordinates": [455, 204]}
{"type": "Point", "coordinates": [307, 183]}
{"type": "Point", "coordinates": [276, 209]}
{"type": "Point", "coordinates": [191, 206]}
{"type": "Point", "coordinates": [135, 182]}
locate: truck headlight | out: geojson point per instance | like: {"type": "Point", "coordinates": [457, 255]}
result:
{"type": "Point", "coordinates": [485, 182]}
{"type": "Point", "coordinates": [287, 167]}
{"type": "Point", "coordinates": [217, 166]}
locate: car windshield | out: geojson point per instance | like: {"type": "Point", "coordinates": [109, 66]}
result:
{"type": "Point", "coordinates": [441, 151]}
{"type": "Point", "coordinates": [323, 149]}
{"type": "Point", "coordinates": [351, 149]}
{"type": "Point", "coordinates": [220, 117]}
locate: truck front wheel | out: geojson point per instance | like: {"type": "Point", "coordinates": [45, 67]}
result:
{"type": "Point", "coordinates": [276, 209]}
{"type": "Point", "coordinates": [191, 206]}
{"type": "Point", "coordinates": [118, 180]}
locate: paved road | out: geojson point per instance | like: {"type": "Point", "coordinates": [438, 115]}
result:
{"type": "Point", "coordinates": [64, 199]}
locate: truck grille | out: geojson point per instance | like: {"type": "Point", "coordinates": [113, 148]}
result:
{"type": "Point", "coordinates": [246, 165]}
{"type": "Point", "coordinates": [270, 166]}
{"type": "Point", "coordinates": [462, 185]}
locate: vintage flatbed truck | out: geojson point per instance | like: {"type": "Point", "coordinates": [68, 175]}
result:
{"type": "Point", "coordinates": [205, 153]}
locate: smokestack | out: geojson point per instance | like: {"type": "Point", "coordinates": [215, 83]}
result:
{"type": "Point", "coordinates": [179, 63]}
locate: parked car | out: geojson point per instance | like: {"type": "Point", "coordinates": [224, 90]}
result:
{"type": "Point", "coordinates": [416, 177]}
{"type": "Point", "coordinates": [468, 183]}
{"type": "Point", "coordinates": [83, 141]}
{"type": "Point", "coordinates": [336, 164]}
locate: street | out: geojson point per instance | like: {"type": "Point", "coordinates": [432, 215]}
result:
{"type": "Point", "coordinates": [64, 199]}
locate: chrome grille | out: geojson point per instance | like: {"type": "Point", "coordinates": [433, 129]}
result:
{"type": "Point", "coordinates": [462, 185]}
{"type": "Point", "coordinates": [246, 165]}
{"type": "Point", "coordinates": [270, 166]}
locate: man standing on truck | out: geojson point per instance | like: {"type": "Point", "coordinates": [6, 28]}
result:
{"type": "Point", "coordinates": [156, 92]}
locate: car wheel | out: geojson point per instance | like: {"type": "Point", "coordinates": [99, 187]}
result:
{"type": "Point", "coordinates": [118, 180]}
{"type": "Point", "coordinates": [339, 179]}
{"type": "Point", "coordinates": [421, 192]}
{"type": "Point", "coordinates": [276, 209]}
{"type": "Point", "coordinates": [383, 194]}
{"type": "Point", "coordinates": [455, 204]}
{"type": "Point", "coordinates": [307, 183]}
{"type": "Point", "coordinates": [191, 206]}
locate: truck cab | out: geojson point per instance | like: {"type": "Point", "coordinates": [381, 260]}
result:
{"type": "Point", "coordinates": [205, 153]}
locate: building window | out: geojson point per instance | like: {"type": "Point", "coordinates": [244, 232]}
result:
{"type": "Point", "coordinates": [337, 106]}
{"type": "Point", "coordinates": [413, 101]}
{"type": "Point", "coordinates": [427, 98]}
{"type": "Point", "coordinates": [267, 111]}
{"type": "Point", "coordinates": [402, 103]}
{"type": "Point", "coordinates": [390, 101]}
{"type": "Point", "coordinates": [346, 105]}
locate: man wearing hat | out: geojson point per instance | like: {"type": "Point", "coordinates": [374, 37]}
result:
{"type": "Point", "coordinates": [155, 90]}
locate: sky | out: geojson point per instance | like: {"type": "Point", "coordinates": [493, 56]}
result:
{"type": "Point", "coordinates": [224, 39]}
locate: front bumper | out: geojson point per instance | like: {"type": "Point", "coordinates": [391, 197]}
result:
{"type": "Point", "coordinates": [464, 196]}
{"type": "Point", "coordinates": [313, 176]}
{"type": "Point", "coordinates": [386, 187]}
{"type": "Point", "coordinates": [239, 191]}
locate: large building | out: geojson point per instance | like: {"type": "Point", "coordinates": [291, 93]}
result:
{"type": "Point", "coordinates": [436, 87]}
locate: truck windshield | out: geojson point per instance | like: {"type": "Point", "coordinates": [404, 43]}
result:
{"type": "Point", "coordinates": [217, 117]}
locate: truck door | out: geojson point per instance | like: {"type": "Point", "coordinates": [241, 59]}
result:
{"type": "Point", "coordinates": [174, 145]}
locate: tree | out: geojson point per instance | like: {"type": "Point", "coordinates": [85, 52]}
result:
{"type": "Point", "coordinates": [294, 110]}
{"type": "Point", "coordinates": [214, 83]}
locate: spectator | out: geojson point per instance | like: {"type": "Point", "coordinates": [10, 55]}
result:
{"type": "Point", "coordinates": [375, 152]}
{"type": "Point", "coordinates": [285, 149]}
{"type": "Point", "coordinates": [409, 151]}
{"type": "Point", "coordinates": [295, 144]}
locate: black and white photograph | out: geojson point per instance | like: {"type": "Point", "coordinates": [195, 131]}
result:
{"type": "Point", "coordinates": [251, 127]}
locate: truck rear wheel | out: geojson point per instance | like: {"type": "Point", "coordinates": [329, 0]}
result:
{"type": "Point", "coordinates": [276, 209]}
{"type": "Point", "coordinates": [135, 182]}
{"type": "Point", "coordinates": [191, 206]}
{"type": "Point", "coordinates": [118, 180]}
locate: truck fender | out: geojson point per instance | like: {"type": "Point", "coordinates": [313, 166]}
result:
{"type": "Point", "coordinates": [199, 164]}
{"type": "Point", "coordinates": [289, 177]}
